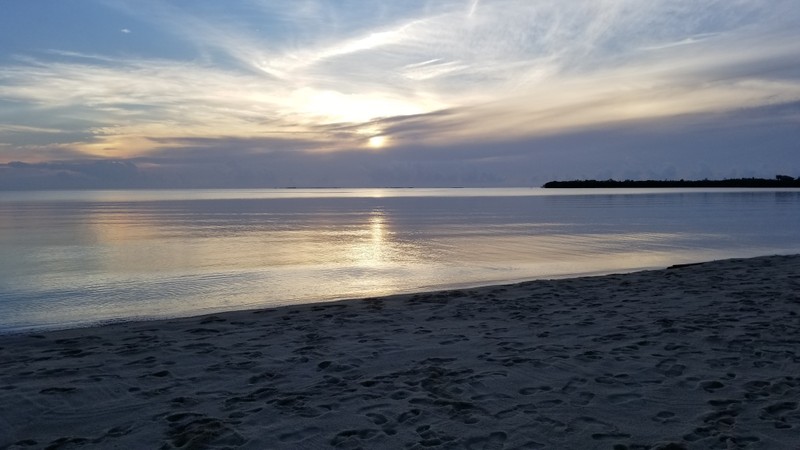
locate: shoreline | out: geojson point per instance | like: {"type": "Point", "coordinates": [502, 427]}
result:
{"type": "Point", "coordinates": [429, 289]}
{"type": "Point", "coordinates": [694, 356]}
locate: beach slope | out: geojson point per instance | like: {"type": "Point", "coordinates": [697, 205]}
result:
{"type": "Point", "coordinates": [701, 357]}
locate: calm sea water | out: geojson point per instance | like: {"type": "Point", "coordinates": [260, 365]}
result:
{"type": "Point", "coordinates": [76, 258]}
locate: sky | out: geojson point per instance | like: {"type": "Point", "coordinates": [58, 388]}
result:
{"type": "Point", "coordinates": [364, 93]}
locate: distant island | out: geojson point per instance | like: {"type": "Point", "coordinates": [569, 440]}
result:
{"type": "Point", "coordinates": [780, 181]}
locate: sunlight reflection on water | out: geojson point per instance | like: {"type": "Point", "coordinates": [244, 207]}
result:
{"type": "Point", "coordinates": [82, 257]}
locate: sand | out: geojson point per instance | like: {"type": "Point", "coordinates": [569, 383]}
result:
{"type": "Point", "coordinates": [701, 357]}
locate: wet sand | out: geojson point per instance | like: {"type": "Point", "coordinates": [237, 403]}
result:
{"type": "Point", "coordinates": [701, 357]}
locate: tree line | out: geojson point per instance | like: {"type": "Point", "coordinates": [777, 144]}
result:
{"type": "Point", "coordinates": [780, 181]}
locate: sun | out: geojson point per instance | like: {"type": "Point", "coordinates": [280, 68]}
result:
{"type": "Point", "coordinates": [377, 141]}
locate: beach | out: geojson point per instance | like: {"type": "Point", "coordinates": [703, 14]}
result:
{"type": "Point", "coordinates": [700, 356]}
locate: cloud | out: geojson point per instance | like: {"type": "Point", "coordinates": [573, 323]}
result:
{"type": "Point", "coordinates": [10, 128]}
{"type": "Point", "coordinates": [76, 174]}
{"type": "Point", "coordinates": [312, 77]}
{"type": "Point", "coordinates": [690, 146]}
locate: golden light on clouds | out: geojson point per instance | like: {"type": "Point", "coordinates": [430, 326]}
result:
{"type": "Point", "coordinates": [460, 72]}
{"type": "Point", "coordinates": [330, 106]}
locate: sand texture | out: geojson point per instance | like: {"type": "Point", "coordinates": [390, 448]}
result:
{"type": "Point", "coordinates": [701, 357]}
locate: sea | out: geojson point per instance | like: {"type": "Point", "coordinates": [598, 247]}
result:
{"type": "Point", "coordinates": [79, 258]}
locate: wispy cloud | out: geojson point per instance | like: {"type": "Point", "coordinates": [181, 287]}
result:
{"type": "Point", "coordinates": [497, 70]}
{"type": "Point", "coordinates": [9, 128]}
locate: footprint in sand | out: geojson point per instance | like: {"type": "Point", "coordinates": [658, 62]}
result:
{"type": "Point", "coordinates": [377, 419]}
{"type": "Point", "coordinates": [506, 413]}
{"type": "Point", "coordinates": [623, 398]}
{"type": "Point", "coordinates": [432, 438]}
{"type": "Point", "coordinates": [535, 390]}
{"type": "Point", "coordinates": [58, 390]}
{"type": "Point", "coordinates": [347, 438]}
{"type": "Point", "coordinates": [670, 368]}
{"type": "Point", "coordinates": [783, 414]}
{"type": "Point", "coordinates": [573, 384]}
{"type": "Point", "coordinates": [200, 431]}
{"type": "Point", "coordinates": [582, 399]}
{"type": "Point", "coordinates": [299, 435]}
{"type": "Point", "coordinates": [609, 436]}
{"type": "Point", "coordinates": [711, 385]}
{"type": "Point", "coordinates": [665, 417]}
{"type": "Point", "coordinates": [408, 415]}
{"type": "Point", "coordinates": [494, 441]}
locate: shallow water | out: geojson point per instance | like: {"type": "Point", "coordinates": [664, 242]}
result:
{"type": "Point", "coordinates": [81, 257]}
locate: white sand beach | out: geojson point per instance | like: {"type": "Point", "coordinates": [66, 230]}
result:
{"type": "Point", "coordinates": [699, 357]}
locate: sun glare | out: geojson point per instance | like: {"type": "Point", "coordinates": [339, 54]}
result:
{"type": "Point", "coordinates": [377, 141]}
